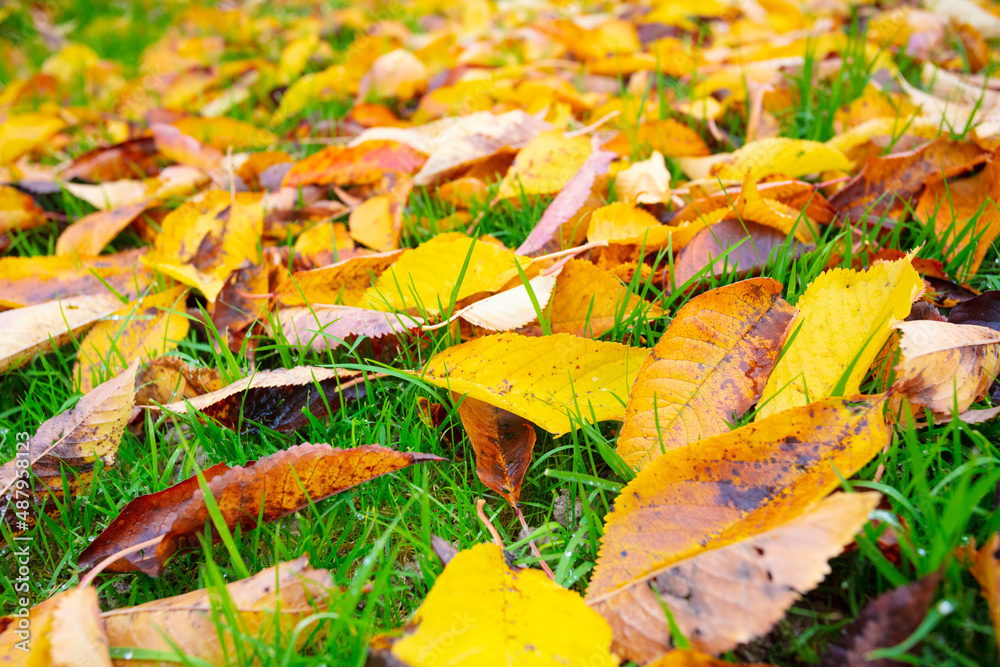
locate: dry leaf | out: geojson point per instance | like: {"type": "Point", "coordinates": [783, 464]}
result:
{"type": "Point", "coordinates": [986, 569]}
{"type": "Point", "coordinates": [364, 164]}
{"type": "Point", "coordinates": [545, 165]}
{"type": "Point", "coordinates": [30, 281]}
{"type": "Point", "coordinates": [322, 327]}
{"type": "Point", "coordinates": [63, 631]}
{"type": "Point", "coordinates": [344, 282]}
{"type": "Point", "coordinates": [170, 379]}
{"type": "Point", "coordinates": [646, 182]}
{"type": "Point", "coordinates": [707, 370]}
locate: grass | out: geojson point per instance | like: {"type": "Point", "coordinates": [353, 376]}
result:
{"type": "Point", "coordinates": [940, 483]}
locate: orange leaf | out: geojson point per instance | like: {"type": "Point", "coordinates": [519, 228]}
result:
{"type": "Point", "coordinates": [364, 164]}
{"type": "Point", "coordinates": [503, 443]}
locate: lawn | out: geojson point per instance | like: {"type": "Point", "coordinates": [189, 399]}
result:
{"type": "Point", "coordinates": [680, 153]}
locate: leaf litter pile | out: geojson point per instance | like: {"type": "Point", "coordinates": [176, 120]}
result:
{"type": "Point", "coordinates": [440, 333]}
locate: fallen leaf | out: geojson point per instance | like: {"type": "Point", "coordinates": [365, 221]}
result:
{"type": "Point", "coordinates": [324, 243]}
{"type": "Point", "coordinates": [503, 443]}
{"type": "Point", "coordinates": [847, 315]}
{"type": "Point", "coordinates": [142, 330]}
{"type": "Point", "coordinates": [887, 185]}
{"type": "Point", "coordinates": [133, 158]}
{"type": "Point", "coordinates": [780, 155]}
{"type": "Point", "coordinates": [265, 490]}
{"type": "Point", "coordinates": [688, 658]}
{"type": "Point", "coordinates": [986, 570]}
{"type": "Point", "coordinates": [91, 233]}
{"type": "Point", "coordinates": [18, 211]}
{"type": "Point", "coordinates": [271, 601]}
{"type": "Point", "coordinates": [493, 613]}
{"type": "Point", "coordinates": [567, 203]}
{"type": "Point", "coordinates": [886, 621]}
{"type": "Point", "coordinates": [723, 489]}
{"type": "Point", "coordinates": [325, 327]}
{"type": "Point", "coordinates": [23, 133]}
{"type": "Point", "coordinates": [557, 382]}
{"type": "Point", "coordinates": [65, 630]}
{"type": "Point", "coordinates": [946, 367]}
{"type": "Point", "coordinates": [171, 379]}
{"type": "Point", "coordinates": [31, 281]}
{"type": "Point", "coordinates": [378, 222]}
{"type": "Point", "coordinates": [223, 133]}
{"type": "Point", "coordinates": [91, 430]}
{"type": "Point", "coordinates": [545, 165]}
{"type": "Point", "coordinates": [730, 595]}
{"type": "Point", "coordinates": [707, 370]}
{"type": "Point", "coordinates": [732, 247]}
{"type": "Point", "coordinates": [398, 74]}
{"type": "Point", "coordinates": [668, 137]}
{"type": "Point", "coordinates": [242, 303]}
{"type": "Point", "coordinates": [426, 278]}
{"type": "Point", "coordinates": [344, 282]}
{"type": "Point", "coordinates": [26, 332]}
{"type": "Point", "coordinates": [589, 301]}
{"type": "Point", "coordinates": [511, 308]}
{"type": "Point", "coordinates": [981, 311]}
{"type": "Point", "coordinates": [364, 164]}
{"type": "Point", "coordinates": [276, 398]}
{"type": "Point", "coordinates": [174, 144]}
{"type": "Point", "coordinates": [645, 182]}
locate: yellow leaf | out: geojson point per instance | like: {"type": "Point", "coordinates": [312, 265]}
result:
{"type": "Point", "coordinates": [494, 615]}
{"type": "Point", "coordinates": [425, 278]}
{"type": "Point", "coordinates": [295, 57]}
{"type": "Point", "coordinates": [65, 631]}
{"type": "Point", "coordinates": [141, 330]}
{"type": "Point", "coordinates": [378, 222]}
{"type": "Point", "coordinates": [223, 133]}
{"type": "Point", "coordinates": [545, 165]}
{"type": "Point", "coordinates": [728, 596]}
{"type": "Point", "coordinates": [398, 74]}
{"type": "Point", "coordinates": [845, 317]}
{"type": "Point", "coordinates": [202, 242]}
{"type": "Point", "coordinates": [19, 211]}
{"type": "Point", "coordinates": [555, 381]}
{"type": "Point", "coordinates": [309, 89]}
{"type": "Point", "coordinates": [779, 155]}
{"type": "Point", "coordinates": [322, 243]}
{"type": "Point", "coordinates": [622, 222]}
{"type": "Point", "coordinates": [589, 300]}
{"type": "Point", "coordinates": [723, 489]}
{"type": "Point", "coordinates": [344, 282]}
{"type": "Point", "coordinates": [22, 134]}
{"type": "Point", "coordinates": [708, 369]}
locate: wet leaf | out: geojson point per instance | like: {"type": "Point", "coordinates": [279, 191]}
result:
{"type": "Point", "coordinates": [503, 443]}
{"type": "Point", "coordinates": [848, 315]}
{"type": "Point", "coordinates": [491, 613]}
{"type": "Point", "coordinates": [728, 596]}
{"type": "Point", "coordinates": [946, 367]}
{"type": "Point", "coordinates": [556, 382]}
{"type": "Point", "coordinates": [745, 477]}
{"type": "Point", "coordinates": [707, 370]}
{"type": "Point", "coordinates": [273, 600]}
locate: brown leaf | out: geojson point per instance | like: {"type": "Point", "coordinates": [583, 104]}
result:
{"type": "Point", "coordinates": [885, 622]}
{"type": "Point", "coordinates": [503, 443]}
{"type": "Point", "coordinates": [980, 311]}
{"type": "Point", "coordinates": [276, 399]}
{"type": "Point", "coordinates": [169, 379]}
{"type": "Point", "coordinates": [18, 211]}
{"type": "Point", "coordinates": [134, 158]}
{"type": "Point", "coordinates": [63, 631]}
{"type": "Point", "coordinates": [946, 366]}
{"type": "Point", "coordinates": [243, 300]}
{"type": "Point", "coordinates": [91, 430]}
{"type": "Point", "coordinates": [271, 601]}
{"type": "Point", "coordinates": [268, 489]}
{"type": "Point", "coordinates": [25, 332]}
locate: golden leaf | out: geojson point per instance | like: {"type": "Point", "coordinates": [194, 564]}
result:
{"type": "Point", "coordinates": [845, 317]}
{"type": "Point", "coordinates": [544, 165]}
